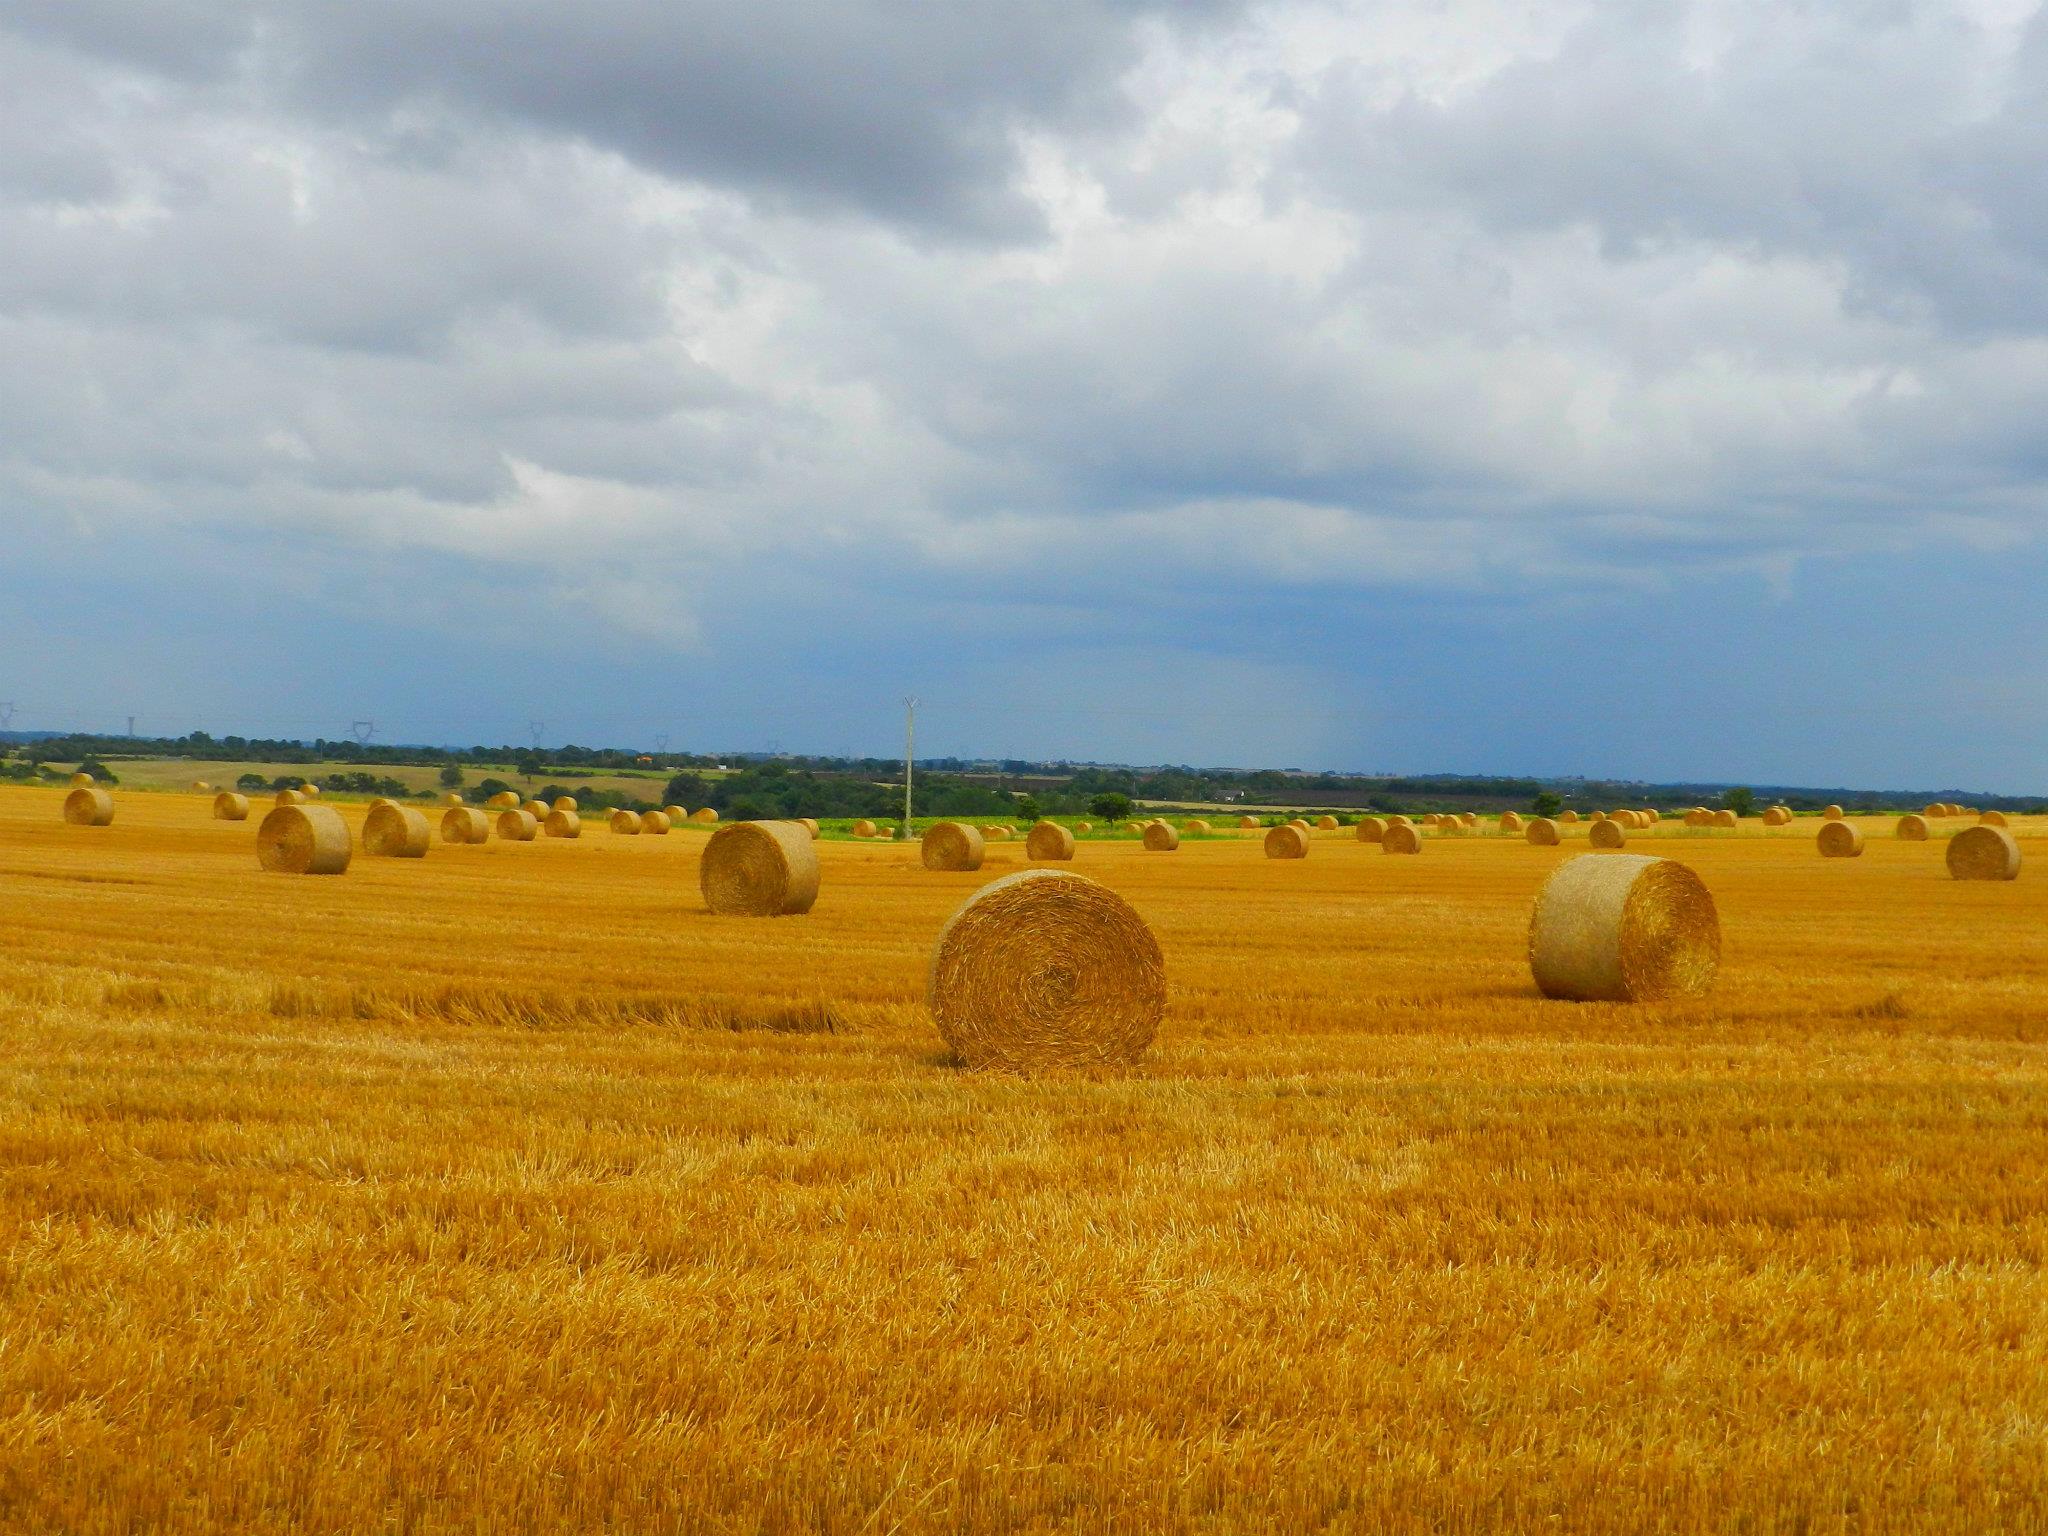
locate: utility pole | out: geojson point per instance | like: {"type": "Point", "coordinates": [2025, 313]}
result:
{"type": "Point", "coordinates": [7, 715]}
{"type": "Point", "coordinates": [909, 756]}
{"type": "Point", "coordinates": [131, 727]}
{"type": "Point", "coordinates": [538, 729]}
{"type": "Point", "coordinates": [362, 730]}
{"type": "Point", "coordinates": [661, 745]}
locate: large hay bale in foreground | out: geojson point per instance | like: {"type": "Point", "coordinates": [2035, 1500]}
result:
{"type": "Point", "coordinates": [1608, 834]}
{"type": "Point", "coordinates": [89, 807]}
{"type": "Point", "coordinates": [1911, 829]}
{"type": "Point", "coordinates": [1839, 840]}
{"type": "Point", "coordinates": [564, 824]}
{"type": "Point", "coordinates": [1984, 853]}
{"type": "Point", "coordinates": [464, 824]}
{"type": "Point", "coordinates": [1286, 843]}
{"type": "Point", "coordinates": [1832, 813]}
{"type": "Point", "coordinates": [1370, 829]}
{"type": "Point", "coordinates": [1046, 970]}
{"type": "Point", "coordinates": [1401, 839]}
{"type": "Point", "coordinates": [517, 826]}
{"type": "Point", "coordinates": [654, 824]}
{"type": "Point", "coordinates": [759, 869]}
{"type": "Point", "coordinates": [1160, 838]}
{"type": "Point", "coordinates": [1778, 816]}
{"type": "Point", "coordinates": [229, 806]}
{"type": "Point", "coordinates": [1543, 832]}
{"type": "Point", "coordinates": [1050, 842]}
{"type": "Point", "coordinates": [304, 840]}
{"type": "Point", "coordinates": [704, 814]}
{"type": "Point", "coordinates": [1992, 819]}
{"type": "Point", "coordinates": [1623, 929]}
{"type": "Point", "coordinates": [396, 832]}
{"type": "Point", "coordinates": [623, 823]}
{"type": "Point", "coordinates": [953, 846]}
{"type": "Point", "coordinates": [503, 800]}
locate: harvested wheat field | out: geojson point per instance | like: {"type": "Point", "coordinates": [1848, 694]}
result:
{"type": "Point", "coordinates": [508, 1189]}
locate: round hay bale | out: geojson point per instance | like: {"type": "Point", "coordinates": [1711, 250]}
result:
{"type": "Point", "coordinates": [1984, 853]}
{"type": "Point", "coordinates": [517, 826]}
{"type": "Point", "coordinates": [704, 814]}
{"type": "Point", "coordinates": [503, 800]}
{"type": "Point", "coordinates": [1778, 816]}
{"type": "Point", "coordinates": [1934, 811]}
{"type": "Point", "coordinates": [1992, 819]}
{"type": "Point", "coordinates": [537, 809]}
{"type": "Point", "coordinates": [1629, 929]}
{"type": "Point", "coordinates": [381, 800]}
{"type": "Point", "coordinates": [1468, 819]}
{"type": "Point", "coordinates": [1401, 839]}
{"type": "Point", "coordinates": [655, 823]}
{"type": "Point", "coordinates": [395, 832]}
{"type": "Point", "coordinates": [1050, 842]}
{"type": "Point", "coordinates": [623, 823]}
{"type": "Point", "coordinates": [451, 799]}
{"type": "Point", "coordinates": [1247, 823]}
{"type": "Point", "coordinates": [676, 814]}
{"type": "Point", "coordinates": [310, 791]}
{"type": "Point", "coordinates": [229, 806]}
{"type": "Point", "coordinates": [304, 840]}
{"type": "Point", "coordinates": [563, 824]}
{"type": "Point", "coordinates": [759, 869]}
{"type": "Point", "coordinates": [83, 781]}
{"type": "Point", "coordinates": [1370, 829]}
{"type": "Point", "coordinates": [1084, 826]}
{"type": "Point", "coordinates": [1510, 822]}
{"type": "Point", "coordinates": [1160, 838]}
{"type": "Point", "coordinates": [863, 829]}
{"type": "Point", "coordinates": [201, 787]}
{"type": "Point", "coordinates": [1542, 832]}
{"type": "Point", "coordinates": [89, 807]}
{"type": "Point", "coordinates": [464, 824]}
{"type": "Point", "coordinates": [1608, 834]}
{"type": "Point", "coordinates": [1724, 818]}
{"type": "Point", "coordinates": [1046, 970]}
{"type": "Point", "coordinates": [1397, 821]}
{"type": "Point", "coordinates": [1432, 820]}
{"type": "Point", "coordinates": [1286, 843]}
{"type": "Point", "coordinates": [1654, 814]}
{"type": "Point", "coordinates": [1911, 829]}
{"type": "Point", "coordinates": [1196, 824]}
{"type": "Point", "coordinates": [1569, 818]}
{"type": "Point", "coordinates": [567, 803]}
{"type": "Point", "coordinates": [808, 823]}
{"type": "Point", "coordinates": [288, 797]}
{"type": "Point", "coordinates": [1832, 813]}
{"type": "Point", "coordinates": [1699, 816]}
{"type": "Point", "coordinates": [1597, 817]}
{"type": "Point", "coordinates": [952, 846]}
{"type": "Point", "coordinates": [1326, 823]}
{"type": "Point", "coordinates": [1839, 840]}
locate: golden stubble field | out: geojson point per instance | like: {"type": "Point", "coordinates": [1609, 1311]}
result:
{"type": "Point", "coordinates": [509, 1191]}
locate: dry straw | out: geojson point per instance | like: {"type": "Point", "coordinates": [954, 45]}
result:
{"type": "Point", "coordinates": [229, 806]}
{"type": "Point", "coordinates": [567, 803]}
{"type": "Point", "coordinates": [1401, 839]}
{"type": "Point", "coordinates": [1724, 818]}
{"type": "Point", "coordinates": [655, 824]}
{"type": "Point", "coordinates": [623, 823]}
{"type": "Point", "coordinates": [1161, 838]}
{"type": "Point", "coordinates": [304, 840]}
{"type": "Point", "coordinates": [759, 869]}
{"type": "Point", "coordinates": [1286, 843]}
{"type": "Point", "coordinates": [1049, 842]}
{"type": "Point", "coordinates": [1934, 811]}
{"type": "Point", "coordinates": [310, 791]}
{"type": "Point", "coordinates": [1247, 823]}
{"type": "Point", "coordinates": [1199, 825]}
{"type": "Point", "coordinates": [395, 832]}
{"type": "Point", "coordinates": [1542, 832]}
{"type": "Point", "coordinates": [1699, 816]}
{"type": "Point", "coordinates": [1839, 840]}
{"type": "Point", "coordinates": [1397, 821]}
{"type": "Point", "coordinates": [1608, 834]}
{"type": "Point", "coordinates": [1568, 817]}
{"type": "Point", "coordinates": [1326, 823]}
{"type": "Point", "coordinates": [1911, 829]}
{"type": "Point", "coordinates": [1046, 970]}
{"type": "Point", "coordinates": [1992, 819]}
{"type": "Point", "coordinates": [863, 829]}
{"type": "Point", "coordinates": [1510, 822]}
{"type": "Point", "coordinates": [289, 797]}
{"type": "Point", "coordinates": [1832, 813]}
{"type": "Point", "coordinates": [1370, 829]}
{"type": "Point", "coordinates": [517, 826]}
{"type": "Point", "coordinates": [1626, 929]}
{"type": "Point", "coordinates": [1432, 820]}
{"type": "Point", "coordinates": [464, 824]}
{"type": "Point", "coordinates": [1778, 816]}
{"type": "Point", "coordinates": [92, 807]}
{"type": "Point", "coordinates": [504, 800]}
{"type": "Point", "coordinates": [451, 799]}
{"type": "Point", "coordinates": [704, 814]}
{"type": "Point", "coordinates": [953, 846]}
{"type": "Point", "coordinates": [537, 809]}
{"type": "Point", "coordinates": [83, 781]}
{"type": "Point", "coordinates": [1468, 820]}
{"type": "Point", "coordinates": [1984, 853]}
{"type": "Point", "coordinates": [564, 824]}
{"type": "Point", "coordinates": [676, 814]}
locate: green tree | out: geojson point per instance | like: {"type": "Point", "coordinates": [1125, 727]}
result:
{"type": "Point", "coordinates": [1741, 801]}
{"type": "Point", "coordinates": [528, 766]}
{"type": "Point", "coordinates": [1029, 809]}
{"type": "Point", "coordinates": [1112, 808]}
{"type": "Point", "coordinates": [451, 776]}
{"type": "Point", "coordinates": [1547, 803]}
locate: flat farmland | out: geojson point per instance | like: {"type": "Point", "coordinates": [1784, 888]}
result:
{"type": "Point", "coordinates": [508, 1190]}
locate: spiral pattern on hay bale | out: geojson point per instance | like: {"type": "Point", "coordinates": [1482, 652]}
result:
{"type": "Point", "coordinates": [517, 826]}
{"type": "Point", "coordinates": [1839, 840]}
{"type": "Point", "coordinates": [304, 840]}
{"type": "Point", "coordinates": [655, 824]}
{"type": "Point", "coordinates": [759, 869]}
{"type": "Point", "coordinates": [1542, 832]}
{"type": "Point", "coordinates": [1049, 842]}
{"type": "Point", "coordinates": [1046, 970]}
{"type": "Point", "coordinates": [229, 806]}
{"type": "Point", "coordinates": [89, 807]}
{"type": "Point", "coordinates": [1286, 843]}
{"type": "Point", "coordinates": [1160, 838]}
{"type": "Point", "coordinates": [503, 800]}
{"type": "Point", "coordinates": [1623, 929]}
{"type": "Point", "coordinates": [564, 824]}
{"type": "Point", "coordinates": [464, 824]}
{"type": "Point", "coordinates": [393, 831]}
{"type": "Point", "coordinates": [1370, 829]}
{"type": "Point", "coordinates": [1911, 829]}
{"type": "Point", "coordinates": [1984, 853]}
{"type": "Point", "coordinates": [1401, 839]}
{"type": "Point", "coordinates": [952, 846]}
{"type": "Point", "coordinates": [1608, 834]}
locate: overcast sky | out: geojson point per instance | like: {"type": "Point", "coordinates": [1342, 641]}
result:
{"type": "Point", "coordinates": [1655, 389]}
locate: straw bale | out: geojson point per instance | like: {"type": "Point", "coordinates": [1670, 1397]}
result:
{"type": "Point", "coordinates": [229, 806]}
{"type": "Point", "coordinates": [464, 824]}
{"type": "Point", "coordinates": [655, 823]}
{"type": "Point", "coordinates": [1625, 928]}
{"type": "Point", "coordinates": [89, 807]}
{"type": "Point", "coordinates": [953, 846]}
{"type": "Point", "coordinates": [304, 840]}
{"type": "Point", "coordinates": [517, 826]}
{"type": "Point", "coordinates": [1049, 841]}
{"type": "Point", "coordinates": [564, 824]}
{"type": "Point", "coordinates": [1370, 829]}
{"type": "Point", "coordinates": [1160, 838]}
{"type": "Point", "coordinates": [1401, 839]}
{"type": "Point", "coordinates": [1911, 829]}
{"type": "Point", "coordinates": [759, 869]}
{"type": "Point", "coordinates": [396, 832]}
{"type": "Point", "coordinates": [1839, 840]}
{"type": "Point", "coordinates": [1984, 853]}
{"type": "Point", "coordinates": [623, 823]}
{"type": "Point", "coordinates": [1542, 832]}
{"type": "Point", "coordinates": [1286, 843]}
{"type": "Point", "coordinates": [1608, 834]}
